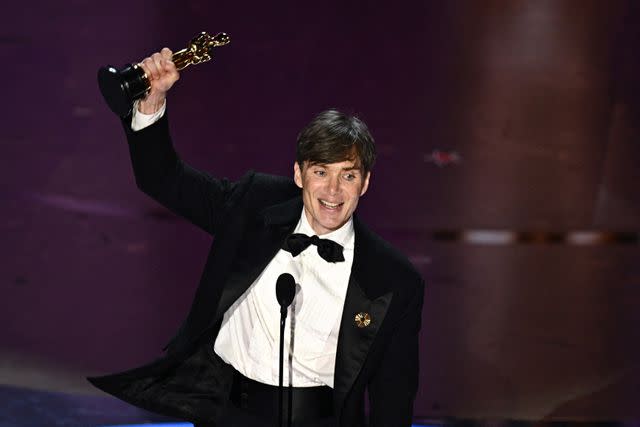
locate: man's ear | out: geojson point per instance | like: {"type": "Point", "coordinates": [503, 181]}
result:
{"type": "Point", "coordinates": [365, 184]}
{"type": "Point", "coordinates": [297, 174]}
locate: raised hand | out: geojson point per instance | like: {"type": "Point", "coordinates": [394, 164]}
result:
{"type": "Point", "coordinates": [162, 74]}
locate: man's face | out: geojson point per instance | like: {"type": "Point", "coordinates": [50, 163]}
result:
{"type": "Point", "coordinates": [330, 192]}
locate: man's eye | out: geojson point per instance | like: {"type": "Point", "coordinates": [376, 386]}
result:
{"type": "Point", "coordinates": [350, 177]}
{"type": "Point", "coordinates": [320, 172]}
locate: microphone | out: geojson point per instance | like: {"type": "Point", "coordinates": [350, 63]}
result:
{"type": "Point", "coordinates": [285, 291]}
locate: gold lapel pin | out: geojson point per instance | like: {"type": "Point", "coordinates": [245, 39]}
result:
{"type": "Point", "coordinates": [363, 320]}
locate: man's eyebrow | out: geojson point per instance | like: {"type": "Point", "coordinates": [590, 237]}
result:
{"type": "Point", "coordinates": [324, 165]}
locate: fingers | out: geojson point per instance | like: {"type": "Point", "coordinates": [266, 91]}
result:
{"type": "Point", "coordinates": [161, 73]}
{"type": "Point", "coordinates": [153, 66]}
{"type": "Point", "coordinates": [169, 66]}
{"type": "Point", "coordinates": [158, 65]}
{"type": "Point", "coordinates": [147, 65]}
{"type": "Point", "coordinates": [166, 53]}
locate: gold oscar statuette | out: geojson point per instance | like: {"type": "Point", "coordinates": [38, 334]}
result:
{"type": "Point", "coordinates": [120, 88]}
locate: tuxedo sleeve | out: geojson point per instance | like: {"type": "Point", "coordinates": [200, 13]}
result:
{"type": "Point", "coordinates": [161, 174]}
{"type": "Point", "coordinates": [392, 390]}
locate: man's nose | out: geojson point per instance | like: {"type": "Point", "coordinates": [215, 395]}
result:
{"type": "Point", "coordinates": [334, 184]}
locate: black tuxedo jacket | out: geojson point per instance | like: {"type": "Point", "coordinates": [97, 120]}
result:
{"type": "Point", "coordinates": [250, 219]}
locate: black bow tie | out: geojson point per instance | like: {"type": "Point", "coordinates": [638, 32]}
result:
{"type": "Point", "coordinates": [329, 250]}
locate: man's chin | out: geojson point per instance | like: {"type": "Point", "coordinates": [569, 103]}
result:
{"type": "Point", "coordinates": [332, 225]}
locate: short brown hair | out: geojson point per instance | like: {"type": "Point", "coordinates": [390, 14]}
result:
{"type": "Point", "coordinates": [333, 137]}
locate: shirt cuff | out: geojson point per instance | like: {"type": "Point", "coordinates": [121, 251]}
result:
{"type": "Point", "coordinates": [140, 120]}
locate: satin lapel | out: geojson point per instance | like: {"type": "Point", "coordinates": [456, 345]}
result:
{"type": "Point", "coordinates": [262, 242]}
{"type": "Point", "coordinates": [354, 342]}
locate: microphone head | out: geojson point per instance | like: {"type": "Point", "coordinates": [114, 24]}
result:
{"type": "Point", "coordinates": [285, 289]}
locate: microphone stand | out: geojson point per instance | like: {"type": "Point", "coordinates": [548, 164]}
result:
{"type": "Point", "coordinates": [283, 318]}
{"type": "Point", "coordinates": [285, 292]}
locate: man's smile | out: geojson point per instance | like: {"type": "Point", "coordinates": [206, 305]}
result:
{"type": "Point", "coordinates": [329, 205]}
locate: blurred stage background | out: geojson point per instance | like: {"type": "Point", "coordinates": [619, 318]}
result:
{"type": "Point", "coordinates": [508, 146]}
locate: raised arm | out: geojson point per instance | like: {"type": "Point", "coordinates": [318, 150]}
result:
{"type": "Point", "coordinates": [158, 170]}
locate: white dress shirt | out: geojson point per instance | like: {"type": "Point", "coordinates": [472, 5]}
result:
{"type": "Point", "coordinates": [250, 333]}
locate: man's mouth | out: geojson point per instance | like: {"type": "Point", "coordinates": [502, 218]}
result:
{"type": "Point", "coordinates": [329, 205]}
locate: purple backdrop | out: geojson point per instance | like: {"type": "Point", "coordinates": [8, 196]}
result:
{"type": "Point", "coordinates": [538, 100]}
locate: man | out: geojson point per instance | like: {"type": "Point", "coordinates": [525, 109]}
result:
{"type": "Point", "coordinates": [357, 309]}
